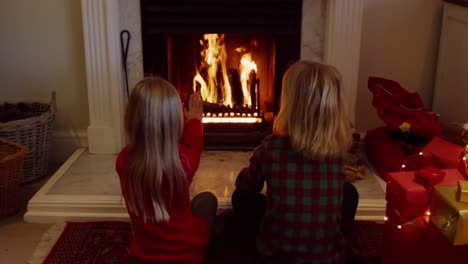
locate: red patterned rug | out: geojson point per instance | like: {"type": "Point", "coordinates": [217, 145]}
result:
{"type": "Point", "coordinates": [92, 242]}
{"type": "Point", "coordinates": [107, 242]}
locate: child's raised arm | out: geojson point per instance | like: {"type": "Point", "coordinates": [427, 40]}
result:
{"type": "Point", "coordinates": [192, 141]}
{"type": "Point", "coordinates": [195, 107]}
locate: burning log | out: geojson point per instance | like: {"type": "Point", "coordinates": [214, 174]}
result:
{"type": "Point", "coordinates": [252, 86]}
{"type": "Point", "coordinates": [236, 86]}
{"type": "Point", "coordinates": [257, 87]}
{"type": "Point", "coordinates": [219, 85]}
{"type": "Point", "coordinates": [197, 87]}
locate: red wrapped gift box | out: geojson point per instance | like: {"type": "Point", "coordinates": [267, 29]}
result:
{"type": "Point", "coordinates": [385, 153]}
{"type": "Point", "coordinates": [418, 241]}
{"type": "Point", "coordinates": [444, 154]}
{"type": "Point", "coordinates": [409, 197]}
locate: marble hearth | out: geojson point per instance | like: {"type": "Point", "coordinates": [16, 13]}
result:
{"type": "Point", "coordinates": [86, 188]}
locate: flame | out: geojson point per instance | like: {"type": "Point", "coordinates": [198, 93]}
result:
{"type": "Point", "coordinates": [204, 92]}
{"type": "Point", "coordinates": [215, 56]}
{"type": "Point", "coordinates": [213, 82]}
{"type": "Point", "coordinates": [246, 66]}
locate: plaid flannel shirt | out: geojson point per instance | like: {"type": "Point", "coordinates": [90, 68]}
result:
{"type": "Point", "coordinates": [303, 214]}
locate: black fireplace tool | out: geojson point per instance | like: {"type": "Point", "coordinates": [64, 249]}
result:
{"type": "Point", "coordinates": [124, 48]}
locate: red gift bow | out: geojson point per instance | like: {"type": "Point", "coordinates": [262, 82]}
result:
{"type": "Point", "coordinates": [429, 176]}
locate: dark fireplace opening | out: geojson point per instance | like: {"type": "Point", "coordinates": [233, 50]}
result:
{"type": "Point", "coordinates": [232, 51]}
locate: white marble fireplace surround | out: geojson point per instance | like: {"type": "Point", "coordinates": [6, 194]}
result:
{"type": "Point", "coordinates": [86, 186]}
{"type": "Point", "coordinates": [331, 33]}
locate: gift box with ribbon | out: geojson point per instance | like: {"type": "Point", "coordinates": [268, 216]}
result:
{"type": "Point", "coordinates": [417, 241]}
{"type": "Point", "coordinates": [409, 196]}
{"type": "Point", "coordinates": [443, 154]}
{"type": "Point", "coordinates": [449, 215]}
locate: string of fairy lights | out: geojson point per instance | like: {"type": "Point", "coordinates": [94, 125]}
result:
{"type": "Point", "coordinates": [465, 165]}
{"type": "Point", "coordinates": [427, 214]}
{"type": "Point", "coordinates": [401, 225]}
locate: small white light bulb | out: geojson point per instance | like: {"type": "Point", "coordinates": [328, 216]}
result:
{"type": "Point", "coordinates": [403, 166]}
{"type": "Point", "coordinates": [428, 213]}
{"type": "Point", "coordinates": [399, 226]}
{"type": "Point", "coordinates": [420, 153]}
{"type": "Point", "coordinates": [385, 218]}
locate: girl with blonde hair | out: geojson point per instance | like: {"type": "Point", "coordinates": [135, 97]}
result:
{"type": "Point", "coordinates": [303, 217]}
{"type": "Point", "coordinates": [155, 170]}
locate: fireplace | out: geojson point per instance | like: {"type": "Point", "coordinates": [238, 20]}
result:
{"type": "Point", "coordinates": [232, 51]}
{"type": "Point", "coordinates": [330, 33]}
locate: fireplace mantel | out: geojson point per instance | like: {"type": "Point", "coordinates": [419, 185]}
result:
{"type": "Point", "coordinates": [339, 45]}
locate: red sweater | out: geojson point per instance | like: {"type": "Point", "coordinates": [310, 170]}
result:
{"type": "Point", "coordinates": [184, 238]}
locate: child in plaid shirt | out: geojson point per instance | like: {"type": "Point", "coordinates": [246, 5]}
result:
{"type": "Point", "coordinates": [308, 207]}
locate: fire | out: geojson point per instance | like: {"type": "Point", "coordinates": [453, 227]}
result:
{"type": "Point", "coordinates": [204, 92]}
{"type": "Point", "coordinates": [214, 56]}
{"type": "Point", "coordinates": [214, 83]}
{"type": "Point", "coordinates": [247, 65]}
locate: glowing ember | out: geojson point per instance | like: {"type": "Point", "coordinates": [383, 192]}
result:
{"type": "Point", "coordinates": [232, 120]}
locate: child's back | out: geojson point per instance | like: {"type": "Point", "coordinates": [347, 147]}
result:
{"type": "Point", "coordinates": [303, 204]}
{"type": "Point", "coordinates": [302, 166]}
{"type": "Point", "coordinates": [155, 171]}
{"type": "Point", "coordinates": [185, 236]}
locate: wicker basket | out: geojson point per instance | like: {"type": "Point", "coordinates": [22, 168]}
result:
{"type": "Point", "coordinates": [11, 168]}
{"type": "Point", "coordinates": [34, 133]}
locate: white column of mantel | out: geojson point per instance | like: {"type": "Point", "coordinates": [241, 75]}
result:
{"type": "Point", "coordinates": [104, 75]}
{"type": "Point", "coordinates": [343, 44]}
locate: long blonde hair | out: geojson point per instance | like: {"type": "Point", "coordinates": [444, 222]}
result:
{"type": "Point", "coordinates": [153, 125]}
{"type": "Point", "coordinates": [312, 110]}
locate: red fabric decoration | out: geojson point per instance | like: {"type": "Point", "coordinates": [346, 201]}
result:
{"type": "Point", "coordinates": [402, 110]}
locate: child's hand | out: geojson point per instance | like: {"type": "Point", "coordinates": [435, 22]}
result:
{"type": "Point", "coordinates": [195, 107]}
